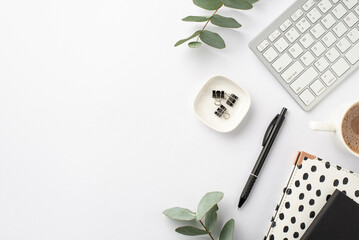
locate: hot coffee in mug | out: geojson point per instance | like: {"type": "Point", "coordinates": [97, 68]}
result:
{"type": "Point", "coordinates": [350, 128]}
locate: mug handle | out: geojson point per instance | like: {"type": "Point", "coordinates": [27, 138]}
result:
{"type": "Point", "coordinates": [322, 126]}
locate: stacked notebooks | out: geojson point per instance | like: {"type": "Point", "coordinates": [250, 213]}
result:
{"type": "Point", "coordinates": [320, 201]}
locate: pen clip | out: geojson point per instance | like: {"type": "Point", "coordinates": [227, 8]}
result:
{"type": "Point", "coordinates": [269, 130]}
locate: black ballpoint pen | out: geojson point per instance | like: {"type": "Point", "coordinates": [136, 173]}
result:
{"type": "Point", "coordinates": [269, 137]}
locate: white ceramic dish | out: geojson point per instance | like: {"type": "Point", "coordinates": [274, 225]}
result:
{"type": "Point", "coordinates": [204, 106]}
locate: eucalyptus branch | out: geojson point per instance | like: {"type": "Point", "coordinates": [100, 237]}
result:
{"type": "Point", "coordinates": [206, 229]}
{"type": "Point", "coordinates": [210, 18]}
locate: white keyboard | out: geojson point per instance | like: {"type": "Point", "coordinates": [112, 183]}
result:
{"type": "Point", "coordinates": [311, 47]}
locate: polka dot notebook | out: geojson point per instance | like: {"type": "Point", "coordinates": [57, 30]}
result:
{"type": "Point", "coordinates": [310, 185]}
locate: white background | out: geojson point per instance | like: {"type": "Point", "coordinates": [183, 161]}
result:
{"type": "Point", "coordinates": [97, 130]}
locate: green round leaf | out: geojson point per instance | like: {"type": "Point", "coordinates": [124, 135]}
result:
{"type": "Point", "coordinates": [190, 231]}
{"type": "Point", "coordinates": [208, 4]}
{"type": "Point", "coordinates": [211, 218]}
{"type": "Point", "coordinates": [195, 19]}
{"type": "Point", "coordinates": [178, 213]}
{"type": "Point", "coordinates": [207, 202]}
{"type": "Point", "coordinates": [227, 231]}
{"type": "Point", "coordinates": [238, 4]}
{"type": "Point", "coordinates": [214, 40]}
{"type": "Point", "coordinates": [225, 21]}
{"type": "Point", "coordinates": [194, 44]}
{"type": "Point", "coordinates": [186, 39]}
{"type": "Point", "coordinates": [252, 1]}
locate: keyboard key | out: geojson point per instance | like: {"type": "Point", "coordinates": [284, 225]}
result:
{"type": "Point", "coordinates": [321, 64]}
{"type": "Point", "coordinates": [292, 72]}
{"type": "Point", "coordinates": [292, 35]}
{"type": "Point", "coordinates": [282, 62]}
{"type": "Point", "coordinates": [307, 97]}
{"type": "Point", "coordinates": [303, 25]}
{"type": "Point", "coordinates": [285, 25]}
{"type": "Point", "coordinates": [343, 45]}
{"type": "Point", "coordinates": [340, 29]}
{"type": "Point", "coordinates": [307, 58]}
{"type": "Point", "coordinates": [306, 40]}
{"type": "Point", "coordinates": [281, 44]}
{"type": "Point", "coordinates": [270, 54]}
{"type": "Point", "coordinates": [263, 45]}
{"type": "Point", "coordinates": [324, 6]}
{"type": "Point", "coordinates": [308, 5]}
{"type": "Point", "coordinates": [340, 67]}
{"type": "Point", "coordinates": [329, 39]}
{"type": "Point", "coordinates": [350, 3]}
{"type": "Point", "coordinates": [295, 50]}
{"type": "Point", "coordinates": [317, 87]}
{"type": "Point", "coordinates": [339, 11]}
{"type": "Point", "coordinates": [328, 78]}
{"type": "Point", "coordinates": [318, 49]}
{"type": "Point", "coordinates": [297, 15]}
{"type": "Point", "coordinates": [274, 35]}
{"type": "Point", "coordinates": [353, 35]}
{"type": "Point", "coordinates": [353, 54]}
{"type": "Point", "coordinates": [357, 9]}
{"type": "Point", "coordinates": [332, 54]}
{"type": "Point", "coordinates": [317, 30]}
{"type": "Point", "coordinates": [328, 21]}
{"type": "Point", "coordinates": [307, 77]}
{"type": "Point", "coordinates": [314, 15]}
{"type": "Point", "coordinates": [350, 19]}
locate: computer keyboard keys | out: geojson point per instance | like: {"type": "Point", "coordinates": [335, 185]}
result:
{"type": "Point", "coordinates": [321, 64]}
{"type": "Point", "coordinates": [270, 54]}
{"type": "Point", "coordinates": [340, 29]}
{"type": "Point", "coordinates": [343, 45]}
{"type": "Point", "coordinates": [350, 3]}
{"type": "Point", "coordinates": [303, 25]}
{"type": "Point", "coordinates": [295, 50]}
{"type": "Point", "coordinates": [318, 49]}
{"type": "Point", "coordinates": [317, 30]}
{"type": "Point", "coordinates": [314, 15]}
{"type": "Point", "coordinates": [274, 35]}
{"type": "Point", "coordinates": [350, 19]}
{"type": "Point", "coordinates": [332, 54]}
{"type": "Point", "coordinates": [308, 5]}
{"type": "Point", "coordinates": [292, 35]}
{"type": "Point", "coordinates": [328, 21]}
{"type": "Point", "coordinates": [297, 15]}
{"type": "Point", "coordinates": [292, 72]}
{"type": "Point", "coordinates": [263, 45]}
{"type": "Point", "coordinates": [285, 25]}
{"type": "Point", "coordinates": [353, 54]}
{"type": "Point", "coordinates": [303, 80]}
{"type": "Point", "coordinates": [339, 11]}
{"type": "Point", "coordinates": [306, 40]}
{"type": "Point", "coordinates": [340, 67]}
{"type": "Point", "coordinates": [328, 78]}
{"type": "Point", "coordinates": [281, 44]}
{"type": "Point", "coordinates": [317, 87]}
{"type": "Point", "coordinates": [353, 35]}
{"type": "Point", "coordinates": [282, 62]}
{"type": "Point", "coordinates": [329, 39]}
{"type": "Point", "coordinates": [307, 97]}
{"type": "Point", "coordinates": [324, 6]}
{"type": "Point", "coordinates": [307, 58]}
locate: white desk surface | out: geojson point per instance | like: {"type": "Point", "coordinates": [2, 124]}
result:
{"type": "Point", "coordinates": [97, 131]}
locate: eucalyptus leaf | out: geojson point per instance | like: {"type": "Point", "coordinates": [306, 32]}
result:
{"type": "Point", "coordinates": [186, 39]}
{"type": "Point", "coordinates": [194, 44]}
{"type": "Point", "coordinates": [225, 22]}
{"type": "Point", "coordinates": [178, 213]}
{"type": "Point", "coordinates": [211, 198]}
{"type": "Point", "coordinates": [208, 4]}
{"type": "Point", "coordinates": [227, 231]}
{"type": "Point", "coordinates": [195, 19]}
{"type": "Point", "coordinates": [211, 218]}
{"type": "Point", "coordinates": [252, 1]}
{"type": "Point", "coordinates": [214, 40]}
{"type": "Point", "coordinates": [238, 4]}
{"type": "Point", "coordinates": [190, 231]}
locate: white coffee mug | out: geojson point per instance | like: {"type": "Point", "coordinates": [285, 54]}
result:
{"type": "Point", "coordinates": [336, 126]}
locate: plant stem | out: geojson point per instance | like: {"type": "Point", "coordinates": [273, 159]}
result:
{"type": "Point", "coordinates": [209, 20]}
{"type": "Point", "coordinates": [206, 229]}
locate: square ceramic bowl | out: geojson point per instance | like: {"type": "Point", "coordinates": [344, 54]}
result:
{"type": "Point", "coordinates": [204, 106]}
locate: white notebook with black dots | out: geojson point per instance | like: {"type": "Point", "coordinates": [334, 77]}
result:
{"type": "Point", "coordinates": [310, 185]}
